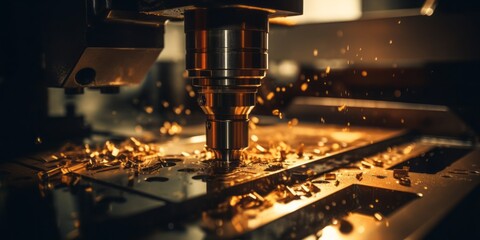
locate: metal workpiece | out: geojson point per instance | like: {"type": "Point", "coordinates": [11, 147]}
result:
{"type": "Point", "coordinates": [227, 56]}
{"type": "Point", "coordinates": [346, 188]}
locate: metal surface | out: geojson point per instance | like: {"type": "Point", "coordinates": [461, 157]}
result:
{"type": "Point", "coordinates": [190, 178]}
{"type": "Point", "coordinates": [425, 118]}
{"type": "Point", "coordinates": [348, 190]}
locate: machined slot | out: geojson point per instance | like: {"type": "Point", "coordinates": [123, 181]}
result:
{"type": "Point", "coordinates": [433, 161]}
{"type": "Point", "coordinates": [373, 202]}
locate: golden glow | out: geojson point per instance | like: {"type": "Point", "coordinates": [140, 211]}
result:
{"type": "Point", "coordinates": [327, 70]}
{"type": "Point", "coordinates": [170, 128]}
{"type": "Point", "coordinates": [148, 109]}
{"type": "Point", "coordinates": [270, 96]}
{"type": "Point", "coordinates": [260, 100]}
{"type": "Point", "coordinates": [347, 137]}
{"type": "Point", "coordinates": [317, 11]}
{"type": "Point", "coordinates": [428, 7]}
{"type": "Point", "coordinates": [304, 87]}
{"type": "Point", "coordinates": [330, 233]}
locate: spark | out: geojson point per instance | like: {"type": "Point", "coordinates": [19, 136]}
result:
{"type": "Point", "coordinates": [378, 216]}
{"type": "Point", "coordinates": [304, 87]}
{"type": "Point", "coordinates": [260, 100]}
{"type": "Point", "coordinates": [293, 122]}
{"type": "Point", "coordinates": [270, 96]}
{"type": "Point", "coordinates": [149, 109]}
{"type": "Point", "coordinates": [327, 70]}
{"type": "Point", "coordinates": [341, 108]}
{"type": "Point", "coordinates": [178, 110]}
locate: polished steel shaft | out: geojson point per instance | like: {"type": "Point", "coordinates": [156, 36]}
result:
{"type": "Point", "coordinates": [226, 58]}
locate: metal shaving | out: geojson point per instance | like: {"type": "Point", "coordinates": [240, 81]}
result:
{"type": "Point", "coordinates": [129, 154]}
